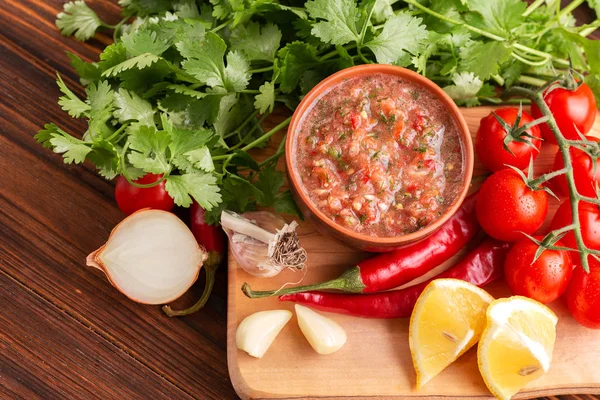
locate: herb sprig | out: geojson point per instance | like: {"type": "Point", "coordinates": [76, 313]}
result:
{"type": "Point", "coordinates": [185, 86]}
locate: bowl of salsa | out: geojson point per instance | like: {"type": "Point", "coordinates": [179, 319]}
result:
{"type": "Point", "coordinates": [378, 156]}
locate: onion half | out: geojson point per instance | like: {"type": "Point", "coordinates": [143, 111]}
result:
{"type": "Point", "coordinates": [151, 257]}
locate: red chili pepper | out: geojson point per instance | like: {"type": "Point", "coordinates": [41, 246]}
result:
{"type": "Point", "coordinates": [481, 266]}
{"type": "Point", "coordinates": [395, 268]}
{"type": "Point", "coordinates": [212, 238]}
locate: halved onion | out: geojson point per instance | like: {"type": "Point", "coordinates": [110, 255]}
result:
{"type": "Point", "coordinates": [151, 256]}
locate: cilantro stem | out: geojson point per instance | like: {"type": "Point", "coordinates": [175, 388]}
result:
{"type": "Point", "coordinates": [587, 30]}
{"type": "Point", "coordinates": [568, 9]}
{"type": "Point", "coordinates": [530, 80]}
{"type": "Point", "coordinates": [242, 126]}
{"type": "Point", "coordinates": [333, 53]}
{"type": "Point", "coordinates": [277, 154]}
{"type": "Point", "coordinates": [117, 132]}
{"type": "Point", "coordinates": [362, 57]}
{"type": "Point", "coordinates": [258, 70]}
{"type": "Point", "coordinates": [532, 7]}
{"type": "Point", "coordinates": [250, 132]}
{"type": "Point", "coordinates": [267, 135]}
{"type": "Point", "coordinates": [219, 27]}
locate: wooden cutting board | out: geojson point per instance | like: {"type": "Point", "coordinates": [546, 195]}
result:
{"type": "Point", "coordinates": [376, 361]}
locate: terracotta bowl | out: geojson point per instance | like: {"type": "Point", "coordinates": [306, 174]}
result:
{"type": "Point", "coordinates": [331, 228]}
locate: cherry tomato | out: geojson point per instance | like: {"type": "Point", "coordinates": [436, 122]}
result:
{"type": "Point", "coordinates": [544, 280]}
{"type": "Point", "coordinates": [571, 109]}
{"type": "Point", "coordinates": [589, 219]}
{"type": "Point", "coordinates": [583, 172]}
{"type": "Point", "coordinates": [583, 295]}
{"type": "Point", "coordinates": [490, 141]}
{"type": "Point", "coordinates": [131, 198]}
{"type": "Point", "coordinates": [506, 206]}
{"type": "Point", "coordinates": [211, 237]}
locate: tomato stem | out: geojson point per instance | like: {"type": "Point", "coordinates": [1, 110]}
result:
{"type": "Point", "coordinates": [564, 145]}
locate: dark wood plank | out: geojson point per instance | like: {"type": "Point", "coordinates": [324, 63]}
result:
{"type": "Point", "coordinates": [46, 354]}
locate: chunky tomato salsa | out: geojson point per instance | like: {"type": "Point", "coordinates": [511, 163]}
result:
{"type": "Point", "coordinates": [380, 155]}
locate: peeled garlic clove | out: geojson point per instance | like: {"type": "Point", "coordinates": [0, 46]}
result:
{"type": "Point", "coordinates": [324, 334]}
{"type": "Point", "coordinates": [256, 332]}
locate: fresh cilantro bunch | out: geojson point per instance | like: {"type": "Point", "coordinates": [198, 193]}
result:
{"type": "Point", "coordinates": [186, 84]}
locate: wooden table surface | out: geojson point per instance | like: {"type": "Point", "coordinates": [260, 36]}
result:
{"type": "Point", "coordinates": [65, 332]}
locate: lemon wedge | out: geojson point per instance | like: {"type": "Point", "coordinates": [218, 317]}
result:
{"type": "Point", "coordinates": [516, 346]}
{"type": "Point", "coordinates": [447, 320]}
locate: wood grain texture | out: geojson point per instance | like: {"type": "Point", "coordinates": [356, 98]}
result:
{"type": "Point", "coordinates": [376, 361]}
{"type": "Point", "coordinates": [64, 331]}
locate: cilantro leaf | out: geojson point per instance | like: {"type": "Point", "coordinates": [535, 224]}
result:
{"type": "Point", "coordinates": [265, 101]}
{"type": "Point", "coordinates": [77, 18]}
{"type": "Point", "coordinates": [206, 64]}
{"type": "Point", "coordinates": [144, 7]}
{"type": "Point", "coordinates": [105, 157]}
{"type": "Point", "coordinates": [256, 41]}
{"type": "Point", "coordinates": [112, 55]}
{"type": "Point", "coordinates": [149, 149]}
{"type": "Point", "coordinates": [142, 42]}
{"type": "Point", "coordinates": [237, 73]}
{"type": "Point", "coordinates": [483, 59]}
{"type": "Point", "coordinates": [595, 5]}
{"type": "Point", "coordinates": [269, 182]}
{"type": "Point", "coordinates": [201, 186]}
{"type": "Point", "coordinates": [140, 62]}
{"type": "Point", "coordinates": [339, 25]}
{"type": "Point", "coordinates": [401, 34]}
{"type": "Point", "coordinates": [296, 58]}
{"type": "Point", "coordinates": [131, 107]}
{"type": "Point", "coordinates": [201, 159]}
{"type": "Point", "coordinates": [382, 10]}
{"type": "Point", "coordinates": [465, 88]}
{"type": "Point", "coordinates": [70, 102]}
{"type": "Point", "coordinates": [88, 72]}
{"type": "Point", "coordinates": [284, 203]}
{"type": "Point", "coordinates": [100, 99]}
{"type": "Point", "coordinates": [497, 16]}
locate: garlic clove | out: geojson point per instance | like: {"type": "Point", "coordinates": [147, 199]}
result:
{"type": "Point", "coordinates": [256, 332]}
{"type": "Point", "coordinates": [324, 334]}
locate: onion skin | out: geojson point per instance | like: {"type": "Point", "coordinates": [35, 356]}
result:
{"type": "Point", "coordinates": [94, 260]}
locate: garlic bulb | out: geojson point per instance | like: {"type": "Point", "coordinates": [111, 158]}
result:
{"type": "Point", "coordinates": [262, 243]}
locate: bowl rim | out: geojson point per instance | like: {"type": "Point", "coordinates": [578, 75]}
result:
{"type": "Point", "coordinates": [369, 69]}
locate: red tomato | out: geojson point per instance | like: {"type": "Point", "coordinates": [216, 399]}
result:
{"type": "Point", "coordinates": [589, 219]}
{"type": "Point", "coordinates": [490, 141]}
{"type": "Point", "coordinates": [131, 198]}
{"type": "Point", "coordinates": [506, 206]}
{"type": "Point", "coordinates": [211, 237]}
{"type": "Point", "coordinates": [576, 109]}
{"type": "Point", "coordinates": [583, 172]}
{"type": "Point", "coordinates": [583, 295]}
{"type": "Point", "coordinates": [544, 280]}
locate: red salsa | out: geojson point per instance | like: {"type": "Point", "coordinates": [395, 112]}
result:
{"type": "Point", "coordinates": [380, 155]}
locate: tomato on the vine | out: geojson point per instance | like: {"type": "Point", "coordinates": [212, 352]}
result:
{"type": "Point", "coordinates": [211, 237]}
{"type": "Point", "coordinates": [132, 198]}
{"type": "Point", "coordinates": [589, 220]}
{"type": "Point", "coordinates": [544, 279]}
{"type": "Point", "coordinates": [490, 141]}
{"type": "Point", "coordinates": [506, 206]}
{"type": "Point", "coordinates": [573, 111]}
{"type": "Point", "coordinates": [583, 295]}
{"type": "Point", "coordinates": [583, 172]}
